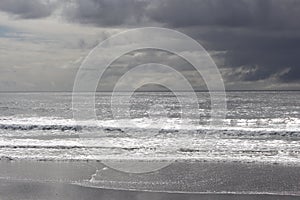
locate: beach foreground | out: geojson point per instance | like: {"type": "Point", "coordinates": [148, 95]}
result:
{"type": "Point", "coordinates": [51, 191]}
{"type": "Point", "coordinates": [180, 180]}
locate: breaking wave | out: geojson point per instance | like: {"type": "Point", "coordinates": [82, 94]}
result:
{"type": "Point", "coordinates": [242, 128]}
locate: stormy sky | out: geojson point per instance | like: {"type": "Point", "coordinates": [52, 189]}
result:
{"type": "Point", "coordinates": [255, 43]}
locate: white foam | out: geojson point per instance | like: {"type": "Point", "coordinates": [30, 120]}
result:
{"type": "Point", "coordinates": [23, 138]}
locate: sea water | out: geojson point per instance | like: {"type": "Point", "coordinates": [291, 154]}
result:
{"type": "Point", "coordinates": [259, 127]}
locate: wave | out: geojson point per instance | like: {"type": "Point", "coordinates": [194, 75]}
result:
{"type": "Point", "coordinates": [88, 184]}
{"type": "Point", "coordinates": [75, 128]}
{"type": "Point", "coordinates": [83, 131]}
{"type": "Point", "coordinates": [188, 150]}
{"type": "Point", "coordinates": [119, 128]}
{"type": "Point", "coordinates": [69, 147]}
{"type": "Point", "coordinates": [40, 127]}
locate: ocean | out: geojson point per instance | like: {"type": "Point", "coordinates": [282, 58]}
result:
{"type": "Point", "coordinates": [259, 127]}
{"type": "Point", "coordinates": [256, 149]}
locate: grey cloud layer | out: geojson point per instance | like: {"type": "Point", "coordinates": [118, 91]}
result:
{"type": "Point", "coordinates": [260, 38]}
{"type": "Point", "coordinates": [28, 9]}
{"type": "Point", "coordinates": [106, 12]}
{"type": "Point", "coordinates": [262, 54]}
{"type": "Point", "coordinates": [266, 14]}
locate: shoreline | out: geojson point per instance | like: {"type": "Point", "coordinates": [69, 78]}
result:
{"type": "Point", "coordinates": [191, 160]}
{"type": "Point", "coordinates": [48, 191]}
{"type": "Point", "coordinates": [190, 178]}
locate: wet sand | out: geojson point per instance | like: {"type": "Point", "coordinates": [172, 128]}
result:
{"type": "Point", "coordinates": [50, 191]}
{"type": "Point", "coordinates": [183, 180]}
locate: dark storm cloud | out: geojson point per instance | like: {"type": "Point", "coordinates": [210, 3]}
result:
{"type": "Point", "coordinates": [265, 54]}
{"type": "Point", "coordinates": [265, 14]}
{"type": "Point", "coordinates": [106, 12]}
{"type": "Point", "coordinates": [27, 9]}
{"type": "Point", "coordinates": [259, 38]}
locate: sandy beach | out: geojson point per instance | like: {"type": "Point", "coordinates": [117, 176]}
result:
{"type": "Point", "coordinates": [51, 191]}
{"type": "Point", "coordinates": [181, 180]}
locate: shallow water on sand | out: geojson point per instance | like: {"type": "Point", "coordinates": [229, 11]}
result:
{"type": "Point", "coordinates": [190, 179]}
